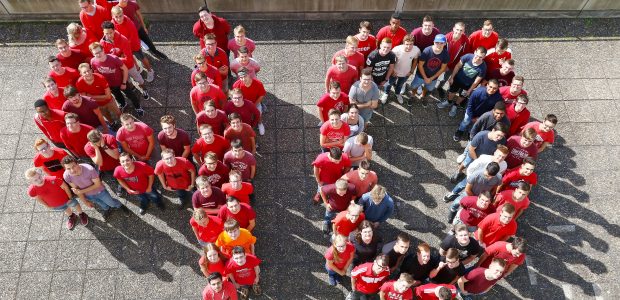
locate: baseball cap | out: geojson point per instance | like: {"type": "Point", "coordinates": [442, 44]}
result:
{"type": "Point", "coordinates": [440, 38]}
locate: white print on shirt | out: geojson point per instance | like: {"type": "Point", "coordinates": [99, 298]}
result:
{"type": "Point", "coordinates": [106, 70]}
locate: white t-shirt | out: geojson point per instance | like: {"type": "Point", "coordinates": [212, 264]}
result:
{"type": "Point", "coordinates": [481, 163]}
{"type": "Point", "coordinates": [355, 150]}
{"type": "Point", "coordinates": [404, 59]}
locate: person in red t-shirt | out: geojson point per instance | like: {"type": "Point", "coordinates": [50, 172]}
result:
{"type": "Point", "coordinates": [213, 75]}
{"type": "Point", "coordinates": [212, 116]}
{"type": "Point", "coordinates": [342, 72]}
{"type": "Point", "coordinates": [68, 57]}
{"type": "Point", "coordinates": [366, 279]}
{"type": "Point", "coordinates": [212, 260]}
{"type": "Point", "coordinates": [338, 258]}
{"type": "Point", "coordinates": [363, 178]}
{"type": "Point", "coordinates": [473, 210]}
{"type": "Point", "coordinates": [138, 178]}
{"type": "Point", "coordinates": [334, 132]}
{"type": "Point", "coordinates": [243, 271]}
{"type": "Point", "coordinates": [513, 253]}
{"type": "Point", "coordinates": [546, 135]}
{"type": "Point", "coordinates": [348, 221]}
{"type": "Point", "coordinates": [203, 92]}
{"type": "Point", "coordinates": [217, 57]}
{"type": "Point", "coordinates": [497, 227]}
{"type": "Point", "coordinates": [53, 96]}
{"type": "Point", "coordinates": [523, 173]}
{"type": "Point", "coordinates": [393, 31]}
{"type": "Point", "coordinates": [397, 289]}
{"type": "Point", "coordinates": [328, 167]}
{"type": "Point", "coordinates": [510, 93]}
{"type": "Point", "coordinates": [53, 193]}
{"type": "Point", "coordinates": [126, 27]}
{"type": "Point", "coordinates": [239, 159]}
{"type": "Point", "coordinates": [210, 23]}
{"type": "Point", "coordinates": [176, 174]}
{"type": "Point", "coordinates": [241, 131]}
{"type": "Point", "coordinates": [503, 75]}
{"type": "Point", "coordinates": [103, 150]}
{"type": "Point", "coordinates": [173, 138]}
{"type": "Point", "coordinates": [240, 40]}
{"type": "Point", "coordinates": [245, 61]}
{"type": "Point", "coordinates": [216, 172]}
{"type": "Point", "coordinates": [497, 56]}
{"type": "Point", "coordinates": [49, 121]}
{"type": "Point", "coordinates": [485, 37]}
{"type": "Point", "coordinates": [218, 288]}
{"type": "Point", "coordinates": [237, 188]}
{"type": "Point", "coordinates": [366, 41]}
{"type": "Point", "coordinates": [209, 142]}
{"type": "Point", "coordinates": [520, 147]}
{"type": "Point", "coordinates": [48, 158]}
{"type": "Point", "coordinates": [96, 86]}
{"type": "Point", "coordinates": [518, 114]}
{"type": "Point", "coordinates": [92, 16]}
{"type": "Point", "coordinates": [242, 212]}
{"type": "Point", "coordinates": [63, 76]}
{"type": "Point", "coordinates": [252, 90]}
{"type": "Point", "coordinates": [336, 198]}
{"type": "Point", "coordinates": [246, 109]}
{"type": "Point", "coordinates": [456, 42]}
{"type": "Point", "coordinates": [79, 39]}
{"type": "Point", "coordinates": [74, 135]}
{"type": "Point", "coordinates": [206, 228]}
{"type": "Point", "coordinates": [481, 280]}
{"type": "Point", "coordinates": [351, 57]}
{"type": "Point", "coordinates": [333, 99]}
{"type": "Point", "coordinates": [434, 291]}
{"type": "Point", "coordinates": [517, 197]}
{"type": "Point", "coordinates": [136, 138]}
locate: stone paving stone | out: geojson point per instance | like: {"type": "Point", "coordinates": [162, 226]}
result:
{"type": "Point", "coordinates": [18, 169]}
{"type": "Point", "coordinates": [266, 165]}
{"type": "Point", "coordinates": [104, 254]}
{"type": "Point", "coordinates": [8, 285]}
{"type": "Point", "coordinates": [100, 284]}
{"type": "Point", "coordinates": [11, 121]}
{"type": "Point", "coordinates": [288, 117]}
{"type": "Point", "coordinates": [8, 146]}
{"type": "Point", "coordinates": [290, 140]}
{"type": "Point", "coordinates": [137, 284]}
{"type": "Point", "coordinates": [17, 200]}
{"type": "Point", "coordinates": [591, 110]}
{"type": "Point", "coordinates": [396, 115]}
{"type": "Point", "coordinates": [34, 285]}
{"type": "Point", "coordinates": [311, 92]}
{"type": "Point", "coordinates": [287, 72]}
{"type": "Point", "coordinates": [11, 254]}
{"type": "Point", "coordinates": [428, 137]}
{"type": "Point", "coordinates": [67, 285]}
{"type": "Point", "coordinates": [39, 256]}
{"type": "Point", "coordinates": [72, 255]}
{"type": "Point", "coordinates": [291, 165]}
{"type": "Point", "coordinates": [46, 226]}
{"type": "Point", "coordinates": [313, 71]}
{"type": "Point", "coordinates": [14, 226]}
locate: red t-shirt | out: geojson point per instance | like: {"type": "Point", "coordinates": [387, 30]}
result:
{"type": "Point", "coordinates": [137, 140]}
{"type": "Point", "coordinates": [210, 232]}
{"type": "Point", "coordinates": [397, 37]}
{"type": "Point", "coordinates": [476, 40]}
{"type": "Point", "coordinates": [51, 128]}
{"type": "Point", "coordinates": [244, 216]}
{"type": "Point", "coordinates": [234, 47]}
{"type": "Point", "coordinates": [215, 200]}
{"type": "Point", "coordinates": [326, 103]}
{"type": "Point", "coordinates": [494, 230]}
{"type": "Point", "coordinates": [245, 135]}
{"type": "Point", "coordinates": [248, 112]}
{"type": "Point", "coordinates": [346, 79]}
{"type": "Point", "coordinates": [219, 146]}
{"type": "Point", "coordinates": [427, 291]}
{"type": "Point", "coordinates": [198, 97]}
{"type": "Point", "coordinates": [51, 165]}
{"type": "Point", "coordinates": [456, 48]}
{"type": "Point", "coordinates": [72, 61]}
{"type": "Point", "coordinates": [517, 119]}
{"type": "Point", "coordinates": [218, 59]}
{"type": "Point", "coordinates": [51, 191]}
{"type": "Point", "coordinates": [93, 23]}
{"type": "Point", "coordinates": [213, 267]}
{"type": "Point", "coordinates": [252, 92]}
{"type": "Point", "coordinates": [177, 177]}
{"type": "Point", "coordinates": [97, 88]}
{"type": "Point", "coordinates": [391, 293]}
{"type": "Point", "coordinates": [498, 250]}
{"type": "Point", "coordinates": [367, 46]}
{"type": "Point", "coordinates": [75, 142]}
{"type": "Point", "coordinates": [492, 59]}
{"type": "Point", "coordinates": [111, 69]}
{"type": "Point", "coordinates": [121, 47]}
{"type": "Point", "coordinates": [138, 180]}
{"type": "Point", "coordinates": [343, 256]}
{"type": "Point", "coordinates": [517, 153]}
{"type": "Point", "coordinates": [243, 165]}
{"type": "Point", "coordinates": [83, 47]}
{"type": "Point", "coordinates": [337, 202]}
{"type": "Point", "coordinates": [128, 30]}
{"type": "Point", "coordinates": [330, 171]}
{"type": "Point", "coordinates": [366, 281]}
{"type": "Point", "coordinates": [503, 80]}
{"type": "Point", "coordinates": [506, 197]}
{"type": "Point", "coordinates": [507, 96]}
{"type": "Point", "coordinates": [177, 144]}
{"type": "Point", "coordinates": [357, 60]}
{"type": "Point", "coordinates": [218, 124]}
{"type": "Point", "coordinates": [243, 275]}
{"type": "Point", "coordinates": [333, 134]}
{"type": "Point", "coordinates": [344, 225]}
{"type": "Point", "coordinates": [220, 29]}
{"type": "Point", "coordinates": [477, 282]}
{"type": "Point", "coordinates": [512, 177]}
{"type": "Point", "coordinates": [130, 11]}
{"type": "Point", "coordinates": [471, 214]}
{"type": "Point", "coordinates": [86, 111]}
{"type": "Point", "coordinates": [54, 102]}
{"type": "Point", "coordinates": [362, 186]}
{"type": "Point", "coordinates": [213, 76]}
{"type": "Point", "coordinates": [243, 194]}
{"type": "Point", "coordinates": [68, 78]}
{"type": "Point", "coordinates": [548, 136]}
{"type": "Point", "coordinates": [217, 177]}
{"type": "Point", "coordinates": [109, 163]}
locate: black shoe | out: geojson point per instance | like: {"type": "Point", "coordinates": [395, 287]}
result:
{"type": "Point", "coordinates": [424, 101]}
{"type": "Point", "coordinates": [325, 228]}
{"type": "Point", "coordinates": [142, 211]}
{"type": "Point", "coordinates": [410, 101]}
{"type": "Point", "coordinates": [449, 197]}
{"type": "Point", "coordinates": [451, 216]}
{"type": "Point", "coordinates": [106, 214]}
{"type": "Point", "coordinates": [158, 54]}
{"type": "Point", "coordinates": [125, 210]}
{"type": "Point", "coordinates": [161, 206]}
{"type": "Point", "coordinates": [441, 93]}
{"type": "Point", "coordinates": [457, 136]}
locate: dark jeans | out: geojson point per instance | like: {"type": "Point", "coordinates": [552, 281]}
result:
{"type": "Point", "coordinates": [357, 295]}
{"type": "Point", "coordinates": [184, 196]}
{"type": "Point", "coordinates": [145, 198]}
{"type": "Point", "coordinates": [146, 39]}
{"type": "Point", "coordinates": [334, 277]}
{"type": "Point", "coordinates": [129, 92]}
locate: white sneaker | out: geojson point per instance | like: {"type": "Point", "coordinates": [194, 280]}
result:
{"type": "Point", "coordinates": [261, 129]}
{"type": "Point", "coordinates": [443, 104]}
{"type": "Point", "coordinates": [460, 159]}
{"type": "Point", "coordinates": [452, 112]}
{"type": "Point", "coordinates": [150, 76]}
{"type": "Point", "coordinates": [399, 98]}
{"type": "Point", "coordinates": [383, 98]}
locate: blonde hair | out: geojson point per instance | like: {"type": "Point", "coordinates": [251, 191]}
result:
{"type": "Point", "coordinates": [239, 29]}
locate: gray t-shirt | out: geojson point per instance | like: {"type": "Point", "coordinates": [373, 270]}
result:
{"type": "Point", "coordinates": [355, 128]}
{"type": "Point", "coordinates": [355, 150]}
{"type": "Point", "coordinates": [483, 144]}
{"type": "Point", "coordinates": [85, 179]}
{"type": "Point", "coordinates": [480, 183]}
{"type": "Point", "coordinates": [357, 95]}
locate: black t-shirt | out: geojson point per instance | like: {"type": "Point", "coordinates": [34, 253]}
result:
{"type": "Point", "coordinates": [365, 252]}
{"type": "Point", "coordinates": [446, 275]}
{"type": "Point", "coordinates": [393, 256]}
{"type": "Point", "coordinates": [473, 248]}
{"type": "Point", "coordinates": [412, 266]}
{"type": "Point", "coordinates": [380, 65]}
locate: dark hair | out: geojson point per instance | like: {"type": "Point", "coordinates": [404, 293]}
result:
{"type": "Point", "coordinates": [396, 16]}
{"type": "Point", "coordinates": [501, 127]}
{"type": "Point", "coordinates": [499, 105]}
{"type": "Point", "coordinates": [70, 91]}
{"type": "Point", "coordinates": [335, 152]}
{"type": "Point", "coordinates": [529, 160]}
{"type": "Point", "coordinates": [493, 80]}
{"type": "Point", "coordinates": [522, 185]}
{"type": "Point", "coordinates": [107, 25]}
{"type": "Point", "coordinates": [492, 168]}
{"type": "Point", "coordinates": [481, 50]}
{"type": "Point", "coordinates": [238, 250]}
{"type": "Point", "coordinates": [551, 118]}
{"type": "Point", "coordinates": [403, 237]}
{"type": "Point", "coordinates": [204, 8]}
{"type": "Point", "coordinates": [233, 116]}
{"type": "Point", "coordinates": [364, 164]}
{"type": "Point", "coordinates": [68, 160]}
{"type": "Point", "coordinates": [40, 103]}
{"type": "Point", "coordinates": [52, 58]}
{"type": "Point", "coordinates": [519, 244]}
{"type": "Point", "coordinates": [236, 144]}
{"type": "Point", "coordinates": [213, 276]}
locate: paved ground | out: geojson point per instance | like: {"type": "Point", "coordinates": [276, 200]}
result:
{"type": "Point", "coordinates": [571, 69]}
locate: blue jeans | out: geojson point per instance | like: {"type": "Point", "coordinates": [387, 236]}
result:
{"type": "Point", "coordinates": [454, 207]}
{"type": "Point", "coordinates": [418, 81]}
{"type": "Point", "coordinates": [334, 277]}
{"type": "Point", "coordinates": [329, 216]}
{"type": "Point", "coordinates": [366, 114]}
{"type": "Point", "coordinates": [466, 121]}
{"type": "Point", "coordinates": [71, 203]}
{"type": "Point", "coordinates": [184, 195]}
{"type": "Point", "coordinates": [399, 81]}
{"type": "Point", "coordinates": [104, 200]}
{"type": "Point", "coordinates": [468, 296]}
{"type": "Point", "coordinates": [459, 187]}
{"type": "Point", "coordinates": [468, 158]}
{"type": "Point", "coordinates": [151, 196]}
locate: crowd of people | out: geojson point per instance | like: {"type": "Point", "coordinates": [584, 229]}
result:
{"type": "Point", "coordinates": [91, 136]}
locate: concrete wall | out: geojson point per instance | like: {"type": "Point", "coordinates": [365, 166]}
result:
{"type": "Point", "coordinates": [64, 8]}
